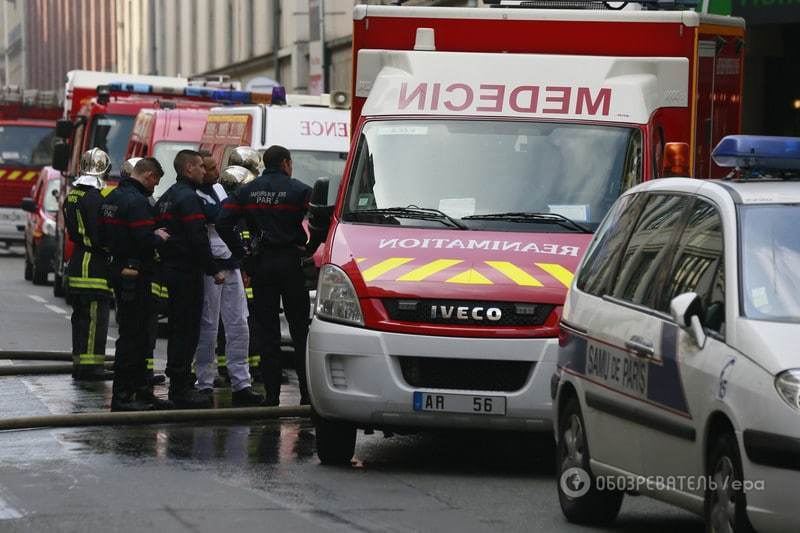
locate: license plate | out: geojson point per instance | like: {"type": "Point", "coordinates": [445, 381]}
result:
{"type": "Point", "coordinates": [459, 403]}
{"type": "Point", "coordinates": [12, 217]}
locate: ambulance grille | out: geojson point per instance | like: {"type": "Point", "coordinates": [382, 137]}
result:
{"type": "Point", "coordinates": [465, 374]}
{"type": "Point", "coordinates": [447, 312]}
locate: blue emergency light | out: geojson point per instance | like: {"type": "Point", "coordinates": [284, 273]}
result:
{"type": "Point", "coordinates": [758, 153]}
{"type": "Point", "coordinates": [224, 96]}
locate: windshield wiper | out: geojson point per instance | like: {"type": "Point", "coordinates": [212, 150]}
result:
{"type": "Point", "coordinates": [412, 211]}
{"type": "Point", "coordinates": [553, 218]}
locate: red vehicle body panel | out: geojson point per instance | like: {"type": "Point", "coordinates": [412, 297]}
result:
{"type": "Point", "coordinates": [16, 181]}
{"type": "Point", "coordinates": [715, 106]}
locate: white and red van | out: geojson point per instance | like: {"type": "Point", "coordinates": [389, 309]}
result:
{"type": "Point", "coordinates": [488, 146]}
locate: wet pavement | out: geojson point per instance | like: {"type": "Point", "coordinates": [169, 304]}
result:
{"type": "Point", "coordinates": [259, 476]}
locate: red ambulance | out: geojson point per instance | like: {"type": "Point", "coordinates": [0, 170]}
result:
{"type": "Point", "coordinates": [488, 146]}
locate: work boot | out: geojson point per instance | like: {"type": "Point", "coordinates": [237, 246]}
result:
{"type": "Point", "coordinates": [188, 398]}
{"type": "Point", "coordinates": [145, 395]}
{"type": "Point", "coordinates": [126, 401]}
{"type": "Point", "coordinates": [271, 401]}
{"type": "Point", "coordinates": [155, 379]}
{"type": "Point", "coordinates": [246, 398]}
{"type": "Point", "coordinates": [92, 373]}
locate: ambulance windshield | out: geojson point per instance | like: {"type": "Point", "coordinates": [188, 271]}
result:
{"type": "Point", "coordinates": [488, 173]}
{"type": "Point", "coordinates": [27, 146]}
{"type": "Point", "coordinates": [309, 165]}
{"type": "Point", "coordinates": [110, 133]}
{"type": "Point", "coordinates": [770, 255]}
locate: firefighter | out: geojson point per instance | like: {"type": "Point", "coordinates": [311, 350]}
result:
{"type": "Point", "coordinates": [185, 261]}
{"type": "Point", "coordinates": [87, 271]}
{"type": "Point", "coordinates": [274, 206]}
{"type": "Point", "coordinates": [129, 235]}
{"type": "Point", "coordinates": [126, 171]}
{"type": "Point", "coordinates": [226, 301]}
{"type": "Point", "coordinates": [245, 166]}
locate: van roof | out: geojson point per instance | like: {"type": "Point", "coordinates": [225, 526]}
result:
{"type": "Point", "coordinates": [686, 17]}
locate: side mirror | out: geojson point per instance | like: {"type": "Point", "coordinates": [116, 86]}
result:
{"type": "Point", "coordinates": [319, 194]}
{"type": "Point", "coordinates": [28, 205]}
{"type": "Point", "coordinates": [687, 309]}
{"type": "Point", "coordinates": [64, 129]}
{"type": "Point", "coordinates": [319, 212]}
{"type": "Point", "coordinates": [61, 156]}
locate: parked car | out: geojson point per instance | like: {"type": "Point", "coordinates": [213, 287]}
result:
{"type": "Point", "coordinates": [678, 373]}
{"type": "Point", "coordinates": [40, 229]}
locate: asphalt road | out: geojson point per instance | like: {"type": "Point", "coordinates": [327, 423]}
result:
{"type": "Point", "coordinates": [258, 476]}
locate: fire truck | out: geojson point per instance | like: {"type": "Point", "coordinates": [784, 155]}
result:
{"type": "Point", "coordinates": [27, 128]}
{"type": "Point", "coordinates": [105, 120]}
{"type": "Point", "coordinates": [489, 144]}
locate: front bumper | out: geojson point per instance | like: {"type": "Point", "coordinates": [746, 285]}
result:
{"type": "Point", "coordinates": [366, 384]}
{"type": "Point", "coordinates": [771, 464]}
{"type": "Point", "coordinates": [12, 225]}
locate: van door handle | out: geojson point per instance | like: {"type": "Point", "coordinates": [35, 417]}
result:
{"type": "Point", "coordinates": [640, 347]}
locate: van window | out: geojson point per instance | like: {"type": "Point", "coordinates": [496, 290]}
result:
{"type": "Point", "coordinates": [645, 262]}
{"type": "Point", "coordinates": [165, 152]}
{"type": "Point", "coordinates": [699, 265]}
{"type": "Point", "coordinates": [597, 272]}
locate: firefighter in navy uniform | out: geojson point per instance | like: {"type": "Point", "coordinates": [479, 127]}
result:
{"type": "Point", "coordinates": [274, 205]}
{"type": "Point", "coordinates": [185, 259]}
{"type": "Point", "coordinates": [87, 271]}
{"type": "Point", "coordinates": [126, 171]}
{"type": "Point", "coordinates": [128, 232]}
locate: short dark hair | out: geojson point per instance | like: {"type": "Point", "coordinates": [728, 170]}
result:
{"type": "Point", "coordinates": [183, 158]}
{"type": "Point", "coordinates": [205, 153]}
{"type": "Point", "coordinates": [274, 156]}
{"type": "Point", "coordinates": [148, 164]}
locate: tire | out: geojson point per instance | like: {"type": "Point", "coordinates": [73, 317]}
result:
{"type": "Point", "coordinates": [58, 286]}
{"type": "Point", "coordinates": [38, 275]}
{"type": "Point", "coordinates": [28, 268]}
{"type": "Point", "coordinates": [725, 508]}
{"type": "Point", "coordinates": [592, 507]}
{"type": "Point", "coordinates": [336, 441]}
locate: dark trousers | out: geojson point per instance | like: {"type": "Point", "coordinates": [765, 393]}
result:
{"type": "Point", "coordinates": [185, 308]}
{"type": "Point", "coordinates": [280, 276]}
{"type": "Point", "coordinates": [89, 331]}
{"type": "Point", "coordinates": [135, 313]}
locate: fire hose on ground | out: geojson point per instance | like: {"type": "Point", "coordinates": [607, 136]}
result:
{"type": "Point", "coordinates": [123, 418]}
{"type": "Point", "coordinates": [155, 417]}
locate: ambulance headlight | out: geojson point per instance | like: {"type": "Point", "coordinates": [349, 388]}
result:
{"type": "Point", "coordinates": [337, 300]}
{"type": "Point", "coordinates": [788, 385]}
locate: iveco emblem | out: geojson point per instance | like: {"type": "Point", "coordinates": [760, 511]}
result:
{"type": "Point", "coordinates": [447, 312]}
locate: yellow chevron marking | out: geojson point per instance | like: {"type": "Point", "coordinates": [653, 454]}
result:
{"type": "Point", "coordinates": [470, 277]}
{"type": "Point", "coordinates": [14, 175]}
{"type": "Point", "coordinates": [419, 274]}
{"type": "Point", "coordinates": [514, 273]}
{"type": "Point", "coordinates": [557, 271]}
{"type": "Point", "coordinates": [30, 175]}
{"type": "Point", "coordinates": [384, 266]}
{"type": "Point", "coordinates": [3, 173]}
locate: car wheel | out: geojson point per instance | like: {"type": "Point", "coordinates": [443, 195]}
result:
{"type": "Point", "coordinates": [725, 501]}
{"type": "Point", "coordinates": [28, 268]}
{"type": "Point", "coordinates": [336, 441]}
{"type": "Point", "coordinates": [581, 501]}
{"type": "Point", "coordinates": [58, 286]}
